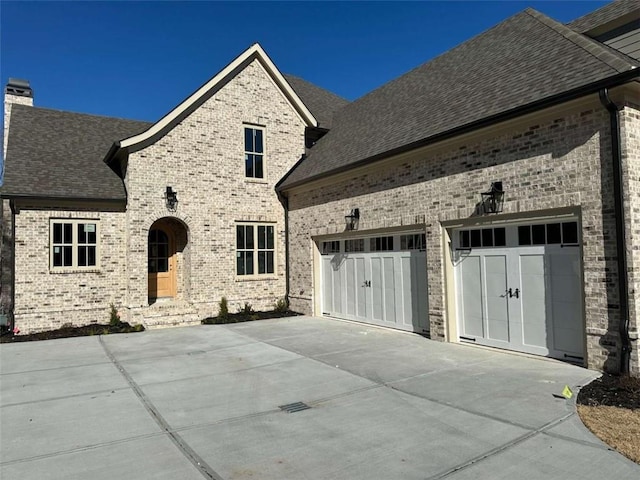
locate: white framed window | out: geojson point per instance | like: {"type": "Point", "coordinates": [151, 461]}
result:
{"type": "Point", "coordinates": [253, 152]}
{"type": "Point", "coordinates": [414, 241]}
{"type": "Point", "coordinates": [381, 244]}
{"type": "Point", "coordinates": [73, 244]}
{"type": "Point", "coordinates": [255, 249]}
{"type": "Point", "coordinates": [355, 245]}
{"type": "Point", "coordinates": [331, 247]}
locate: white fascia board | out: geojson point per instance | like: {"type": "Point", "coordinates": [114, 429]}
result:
{"type": "Point", "coordinates": [255, 51]}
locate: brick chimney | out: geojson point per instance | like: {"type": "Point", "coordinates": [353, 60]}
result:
{"type": "Point", "coordinates": [16, 91]}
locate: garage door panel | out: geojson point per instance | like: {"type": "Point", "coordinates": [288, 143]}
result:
{"type": "Point", "coordinates": [566, 340]}
{"type": "Point", "coordinates": [533, 307]}
{"type": "Point", "coordinates": [327, 285]}
{"type": "Point", "coordinates": [350, 286]}
{"type": "Point", "coordinates": [566, 303]}
{"type": "Point", "coordinates": [389, 289]}
{"type": "Point", "coordinates": [472, 297]}
{"type": "Point", "coordinates": [337, 273]}
{"type": "Point", "coordinates": [377, 289]}
{"type": "Point", "coordinates": [405, 297]}
{"type": "Point", "coordinates": [361, 290]}
{"type": "Point", "coordinates": [495, 291]}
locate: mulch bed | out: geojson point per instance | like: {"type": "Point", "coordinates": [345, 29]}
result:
{"type": "Point", "coordinates": [248, 317]}
{"type": "Point", "coordinates": [64, 332]}
{"type": "Point", "coordinates": [610, 407]}
{"type": "Point", "coordinates": [613, 391]}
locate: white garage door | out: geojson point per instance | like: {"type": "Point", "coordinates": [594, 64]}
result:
{"type": "Point", "coordinates": [380, 280]}
{"type": "Point", "coordinates": [520, 288]}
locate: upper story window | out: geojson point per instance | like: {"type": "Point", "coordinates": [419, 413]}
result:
{"type": "Point", "coordinates": [73, 244]}
{"type": "Point", "coordinates": [253, 152]}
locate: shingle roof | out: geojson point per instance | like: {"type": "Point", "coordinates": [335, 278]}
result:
{"type": "Point", "coordinates": [322, 103]}
{"type": "Point", "coordinates": [526, 58]}
{"type": "Point", "coordinates": [604, 15]}
{"type": "Point", "coordinates": [52, 154]}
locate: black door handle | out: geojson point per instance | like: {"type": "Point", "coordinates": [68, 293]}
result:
{"type": "Point", "coordinates": [514, 294]}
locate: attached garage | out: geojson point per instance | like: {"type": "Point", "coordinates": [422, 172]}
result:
{"type": "Point", "coordinates": [380, 280]}
{"type": "Point", "coordinates": [519, 287]}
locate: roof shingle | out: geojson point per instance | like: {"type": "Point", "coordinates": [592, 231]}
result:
{"type": "Point", "coordinates": [604, 15]}
{"type": "Point", "coordinates": [57, 154]}
{"type": "Point", "coordinates": [322, 103]}
{"type": "Point", "coordinates": [526, 58]}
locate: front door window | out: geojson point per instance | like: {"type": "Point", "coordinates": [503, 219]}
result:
{"type": "Point", "coordinates": [161, 259]}
{"type": "Point", "coordinates": [158, 251]}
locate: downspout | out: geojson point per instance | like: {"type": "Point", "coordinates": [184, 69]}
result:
{"type": "Point", "coordinates": [285, 203]}
{"type": "Point", "coordinates": [616, 154]}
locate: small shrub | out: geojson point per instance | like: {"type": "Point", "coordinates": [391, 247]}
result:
{"type": "Point", "coordinates": [114, 317]}
{"type": "Point", "coordinates": [223, 311]}
{"type": "Point", "coordinates": [281, 305]}
{"type": "Point", "coordinates": [138, 328]}
{"type": "Point", "coordinates": [246, 310]}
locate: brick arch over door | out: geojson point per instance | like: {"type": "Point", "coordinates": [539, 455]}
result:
{"type": "Point", "coordinates": [168, 260]}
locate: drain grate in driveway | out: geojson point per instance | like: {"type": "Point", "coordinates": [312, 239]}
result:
{"type": "Point", "coordinates": [294, 407]}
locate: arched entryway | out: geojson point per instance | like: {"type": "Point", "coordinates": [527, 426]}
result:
{"type": "Point", "coordinates": [166, 260]}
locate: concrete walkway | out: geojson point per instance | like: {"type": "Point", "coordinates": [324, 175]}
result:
{"type": "Point", "coordinates": [203, 402]}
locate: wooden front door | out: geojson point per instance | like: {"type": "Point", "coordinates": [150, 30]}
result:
{"type": "Point", "coordinates": [161, 261]}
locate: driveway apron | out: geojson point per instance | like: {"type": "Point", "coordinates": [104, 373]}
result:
{"type": "Point", "coordinates": [209, 402]}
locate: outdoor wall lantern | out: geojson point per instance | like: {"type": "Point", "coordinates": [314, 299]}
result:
{"type": "Point", "coordinates": [171, 198]}
{"type": "Point", "coordinates": [352, 219]}
{"type": "Point", "coordinates": [493, 199]}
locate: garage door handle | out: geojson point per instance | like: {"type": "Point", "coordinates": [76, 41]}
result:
{"type": "Point", "coordinates": [514, 294]}
{"type": "Point", "coordinates": [367, 283]}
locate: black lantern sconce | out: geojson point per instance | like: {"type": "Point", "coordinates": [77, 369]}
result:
{"type": "Point", "coordinates": [352, 219]}
{"type": "Point", "coordinates": [493, 199]}
{"type": "Point", "coordinates": [171, 199]}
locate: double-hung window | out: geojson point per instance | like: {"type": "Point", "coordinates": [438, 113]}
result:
{"type": "Point", "coordinates": [255, 249]}
{"type": "Point", "coordinates": [253, 152]}
{"type": "Point", "coordinates": [74, 244]}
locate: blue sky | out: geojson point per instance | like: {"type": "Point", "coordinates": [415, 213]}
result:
{"type": "Point", "coordinates": [139, 59]}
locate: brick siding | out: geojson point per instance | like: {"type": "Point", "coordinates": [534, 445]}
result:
{"type": "Point", "coordinates": [561, 162]}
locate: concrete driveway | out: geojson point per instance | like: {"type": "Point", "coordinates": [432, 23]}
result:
{"type": "Point", "coordinates": [203, 402]}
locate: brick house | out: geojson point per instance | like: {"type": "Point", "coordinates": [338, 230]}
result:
{"type": "Point", "coordinates": [490, 196]}
{"type": "Point", "coordinates": [111, 232]}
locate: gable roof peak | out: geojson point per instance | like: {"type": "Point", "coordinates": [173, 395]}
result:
{"type": "Point", "coordinates": [197, 98]}
{"type": "Point", "coordinates": [610, 57]}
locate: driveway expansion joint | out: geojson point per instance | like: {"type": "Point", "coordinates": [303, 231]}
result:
{"type": "Point", "coordinates": [204, 469]}
{"type": "Point", "coordinates": [501, 448]}
{"type": "Point", "coordinates": [62, 397]}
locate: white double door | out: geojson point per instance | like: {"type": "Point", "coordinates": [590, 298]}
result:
{"type": "Point", "coordinates": [525, 298]}
{"type": "Point", "coordinates": [381, 288]}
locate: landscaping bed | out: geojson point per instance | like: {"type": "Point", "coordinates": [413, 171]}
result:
{"type": "Point", "coordinates": [610, 407]}
{"type": "Point", "coordinates": [248, 317]}
{"type": "Point", "coordinates": [70, 331]}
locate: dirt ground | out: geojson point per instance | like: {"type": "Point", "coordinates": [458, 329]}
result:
{"type": "Point", "coordinates": [610, 407]}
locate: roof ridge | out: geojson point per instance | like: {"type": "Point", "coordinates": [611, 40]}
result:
{"type": "Point", "coordinates": [285, 75]}
{"type": "Point", "coordinates": [616, 61]}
